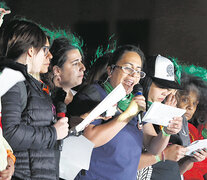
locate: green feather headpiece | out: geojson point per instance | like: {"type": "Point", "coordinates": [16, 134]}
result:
{"type": "Point", "coordinates": [192, 69]}
{"type": "Point", "coordinates": [196, 71]}
{"type": "Point", "coordinates": [178, 68]}
{"type": "Point", "coordinates": [3, 5]}
{"type": "Point", "coordinates": [110, 48]}
{"type": "Point", "coordinates": [74, 39]}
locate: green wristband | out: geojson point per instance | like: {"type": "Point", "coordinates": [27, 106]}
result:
{"type": "Point", "coordinates": [164, 133]}
{"type": "Point", "coordinates": [157, 158]}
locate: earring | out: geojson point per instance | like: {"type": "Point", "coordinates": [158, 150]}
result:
{"type": "Point", "coordinates": [56, 78]}
{"type": "Point", "coordinates": [107, 79]}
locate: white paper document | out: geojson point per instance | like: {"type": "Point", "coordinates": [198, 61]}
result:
{"type": "Point", "coordinates": [111, 99]}
{"type": "Point", "coordinates": [199, 144]}
{"type": "Point", "coordinates": [75, 155]}
{"type": "Point", "coordinates": [161, 114]}
{"type": "Point", "coordinates": [9, 78]}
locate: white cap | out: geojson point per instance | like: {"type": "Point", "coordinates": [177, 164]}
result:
{"type": "Point", "coordinates": [164, 69]}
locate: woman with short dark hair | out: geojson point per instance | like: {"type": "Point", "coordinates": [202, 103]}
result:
{"type": "Point", "coordinates": [28, 119]}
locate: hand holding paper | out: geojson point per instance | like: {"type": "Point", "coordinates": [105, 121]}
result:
{"type": "Point", "coordinates": [196, 145]}
{"type": "Point", "coordinates": [77, 151]}
{"type": "Point", "coordinates": [161, 114]}
{"type": "Point", "coordinates": [174, 126]}
{"type": "Point", "coordinates": [115, 96]}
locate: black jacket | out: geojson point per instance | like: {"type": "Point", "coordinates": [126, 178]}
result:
{"type": "Point", "coordinates": [29, 130]}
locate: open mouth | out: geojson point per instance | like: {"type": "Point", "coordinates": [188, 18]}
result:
{"type": "Point", "coordinates": [128, 84]}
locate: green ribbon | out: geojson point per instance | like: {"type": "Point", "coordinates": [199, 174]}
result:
{"type": "Point", "coordinates": [123, 103]}
{"type": "Point", "coordinates": [204, 133]}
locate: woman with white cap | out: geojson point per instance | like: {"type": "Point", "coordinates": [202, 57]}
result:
{"type": "Point", "coordinates": [160, 85]}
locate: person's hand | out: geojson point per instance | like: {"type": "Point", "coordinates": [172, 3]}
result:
{"type": "Point", "coordinates": [174, 152]}
{"type": "Point", "coordinates": [136, 105]}
{"type": "Point", "coordinates": [2, 13]}
{"type": "Point", "coordinates": [199, 155]}
{"type": "Point", "coordinates": [104, 118]}
{"type": "Point", "coordinates": [61, 127]}
{"type": "Point", "coordinates": [171, 100]}
{"type": "Point", "coordinates": [174, 126]}
{"type": "Point", "coordinates": [83, 116]}
{"type": "Point", "coordinates": [9, 171]}
{"type": "Point", "coordinates": [140, 100]}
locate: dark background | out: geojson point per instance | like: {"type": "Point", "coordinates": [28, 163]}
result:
{"type": "Point", "coordinates": [176, 28]}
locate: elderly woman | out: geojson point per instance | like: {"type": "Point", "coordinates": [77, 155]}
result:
{"type": "Point", "coordinates": [118, 141]}
{"type": "Point", "coordinates": [192, 98]}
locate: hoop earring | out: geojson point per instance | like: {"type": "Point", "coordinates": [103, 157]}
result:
{"type": "Point", "coordinates": [109, 76]}
{"type": "Point", "coordinates": [106, 79]}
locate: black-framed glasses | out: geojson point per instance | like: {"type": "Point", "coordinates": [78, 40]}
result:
{"type": "Point", "coordinates": [131, 71]}
{"type": "Point", "coordinates": [46, 50]}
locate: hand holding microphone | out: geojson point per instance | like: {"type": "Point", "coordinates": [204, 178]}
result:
{"type": "Point", "coordinates": [137, 91]}
{"type": "Point", "coordinates": [136, 106]}
{"type": "Point", "coordinates": [61, 125]}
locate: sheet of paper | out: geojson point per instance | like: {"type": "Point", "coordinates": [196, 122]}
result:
{"type": "Point", "coordinates": [9, 78]}
{"type": "Point", "coordinates": [75, 155]}
{"type": "Point", "coordinates": [111, 99]}
{"type": "Point", "coordinates": [161, 114]}
{"type": "Point", "coordinates": [199, 144]}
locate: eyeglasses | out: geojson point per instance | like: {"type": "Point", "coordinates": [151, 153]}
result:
{"type": "Point", "coordinates": [131, 71]}
{"type": "Point", "coordinates": [46, 50]}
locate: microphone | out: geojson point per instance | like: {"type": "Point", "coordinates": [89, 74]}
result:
{"type": "Point", "coordinates": [61, 111]}
{"type": "Point", "coordinates": [137, 90]}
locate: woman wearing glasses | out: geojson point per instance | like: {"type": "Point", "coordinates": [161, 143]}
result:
{"type": "Point", "coordinates": [118, 141]}
{"type": "Point", "coordinates": [28, 119]}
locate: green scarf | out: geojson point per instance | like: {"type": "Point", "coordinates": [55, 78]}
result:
{"type": "Point", "coordinates": [124, 103]}
{"type": "Point", "coordinates": [149, 104]}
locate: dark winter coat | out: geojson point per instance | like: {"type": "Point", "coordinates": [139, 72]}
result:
{"type": "Point", "coordinates": [27, 120]}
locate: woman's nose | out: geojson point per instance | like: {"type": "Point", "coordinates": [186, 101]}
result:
{"type": "Point", "coordinates": [190, 106]}
{"type": "Point", "coordinates": [166, 92]}
{"type": "Point", "coordinates": [50, 55]}
{"type": "Point", "coordinates": [82, 67]}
